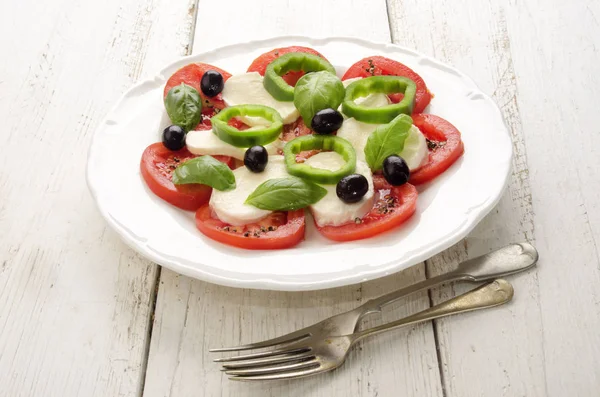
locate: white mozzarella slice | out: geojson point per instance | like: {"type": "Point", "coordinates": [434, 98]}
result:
{"type": "Point", "coordinates": [255, 121]}
{"type": "Point", "coordinates": [357, 133]}
{"type": "Point", "coordinates": [415, 151]}
{"type": "Point", "coordinates": [248, 89]}
{"type": "Point", "coordinates": [371, 101]}
{"type": "Point", "coordinates": [230, 207]}
{"type": "Point", "coordinates": [347, 82]}
{"type": "Point", "coordinates": [330, 210]}
{"type": "Point", "coordinates": [206, 143]}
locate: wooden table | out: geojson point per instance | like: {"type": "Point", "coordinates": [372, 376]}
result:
{"type": "Point", "coordinates": [83, 315]}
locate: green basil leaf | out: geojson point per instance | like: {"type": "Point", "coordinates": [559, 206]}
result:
{"type": "Point", "coordinates": [205, 170]}
{"type": "Point", "coordinates": [317, 91]}
{"type": "Point", "coordinates": [387, 139]}
{"type": "Point", "coordinates": [285, 194]}
{"type": "Point", "coordinates": [184, 106]}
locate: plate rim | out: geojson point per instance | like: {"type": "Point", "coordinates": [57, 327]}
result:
{"type": "Point", "coordinates": [260, 281]}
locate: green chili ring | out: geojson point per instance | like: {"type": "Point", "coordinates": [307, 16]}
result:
{"type": "Point", "coordinates": [292, 61]}
{"type": "Point", "coordinates": [318, 175]}
{"type": "Point", "coordinates": [379, 84]}
{"type": "Point", "coordinates": [252, 136]}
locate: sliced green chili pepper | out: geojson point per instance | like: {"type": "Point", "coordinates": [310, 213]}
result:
{"type": "Point", "coordinates": [252, 136]}
{"type": "Point", "coordinates": [292, 61]}
{"type": "Point", "coordinates": [379, 84]}
{"type": "Point", "coordinates": [312, 142]}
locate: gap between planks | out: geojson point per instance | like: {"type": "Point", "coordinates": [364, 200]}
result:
{"type": "Point", "coordinates": [434, 324]}
{"type": "Point", "coordinates": [150, 328]}
{"type": "Point", "coordinates": [155, 287]}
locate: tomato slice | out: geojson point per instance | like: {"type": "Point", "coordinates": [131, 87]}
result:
{"type": "Point", "coordinates": [157, 166]}
{"type": "Point", "coordinates": [393, 207]}
{"type": "Point", "coordinates": [276, 231]}
{"type": "Point", "coordinates": [205, 124]}
{"type": "Point", "coordinates": [191, 75]}
{"type": "Point", "coordinates": [294, 130]}
{"type": "Point", "coordinates": [260, 64]}
{"type": "Point", "coordinates": [237, 123]}
{"type": "Point", "coordinates": [445, 146]}
{"type": "Point", "coordinates": [382, 66]}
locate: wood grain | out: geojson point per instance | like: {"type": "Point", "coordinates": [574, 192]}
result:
{"type": "Point", "coordinates": [192, 316]}
{"type": "Point", "coordinates": [526, 347]}
{"type": "Point", "coordinates": [494, 339]}
{"type": "Point", "coordinates": [75, 303]}
{"type": "Point", "coordinates": [557, 66]}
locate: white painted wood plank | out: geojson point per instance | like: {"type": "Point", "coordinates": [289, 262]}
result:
{"type": "Point", "coordinates": [256, 20]}
{"type": "Point", "coordinates": [527, 55]}
{"type": "Point", "coordinates": [192, 316]}
{"type": "Point", "coordinates": [74, 301]}
{"type": "Point", "coordinates": [498, 351]}
{"type": "Point", "coordinates": [557, 64]}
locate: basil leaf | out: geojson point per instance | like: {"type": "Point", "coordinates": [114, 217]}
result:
{"type": "Point", "coordinates": [317, 91]}
{"type": "Point", "coordinates": [205, 170]}
{"type": "Point", "coordinates": [184, 106]}
{"type": "Point", "coordinates": [285, 194]}
{"type": "Point", "coordinates": [387, 139]}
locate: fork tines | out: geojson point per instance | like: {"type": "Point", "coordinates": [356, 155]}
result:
{"type": "Point", "coordinates": [282, 363]}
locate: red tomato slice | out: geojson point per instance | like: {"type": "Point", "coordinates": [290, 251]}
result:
{"type": "Point", "coordinates": [157, 166]}
{"type": "Point", "coordinates": [278, 230]}
{"type": "Point", "coordinates": [294, 130]}
{"type": "Point", "coordinates": [393, 207]}
{"type": "Point", "coordinates": [382, 66]}
{"type": "Point", "coordinates": [260, 64]}
{"type": "Point", "coordinates": [237, 123]}
{"type": "Point", "coordinates": [191, 75]}
{"type": "Point", "coordinates": [445, 146]}
{"type": "Point", "coordinates": [205, 124]}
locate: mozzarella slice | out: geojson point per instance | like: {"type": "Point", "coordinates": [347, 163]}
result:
{"type": "Point", "coordinates": [357, 133]}
{"type": "Point", "coordinates": [230, 207]}
{"type": "Point", "coordinates": [415, 151]}
{"type": "Point", "coordinates": [371, 101]}
{"type": "Point", "coordinates": [206, 143]}
{"type": "Point", "coordinates": [330, 210]}
{"type": "Point", "coordinates": [248, 89]}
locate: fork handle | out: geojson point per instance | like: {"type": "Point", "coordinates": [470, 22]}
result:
{"type": "Point", "coordinates": [374, 305]}
{"type": "Point", "coordinates": [493, 294]}
{"type": "Point", "coordinates": [502, 262]}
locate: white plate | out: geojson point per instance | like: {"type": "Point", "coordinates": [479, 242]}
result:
{"type": "Point", "coordinates": [447, 209]}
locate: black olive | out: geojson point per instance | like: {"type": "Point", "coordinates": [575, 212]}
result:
{"type": "Point", "coordinates": [173, 137]}
{"type": "Point", "coordinates": [211, 83]}
{"type": "Point", "coordinates": [327, 121]}
{"type": "Point", "coordinates": [395, 170]}
{"type": "Point", "coordinates": [256, 158]}
{"type": "Point", "coordinates": [352, 188]}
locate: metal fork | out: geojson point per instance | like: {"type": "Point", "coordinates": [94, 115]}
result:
{"type": "Point", "coordinates": [505, 261]}
{"type": "Point", "coordinates": [297, 345]}
{"type": "Point", "coordinates": [306, 358]}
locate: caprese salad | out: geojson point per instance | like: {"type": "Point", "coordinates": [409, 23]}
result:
{"type": "Point", "coordinates": [250, 153]}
